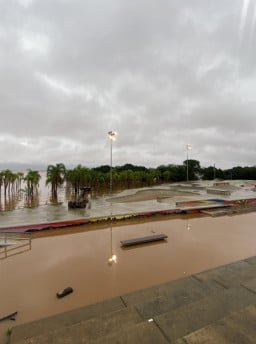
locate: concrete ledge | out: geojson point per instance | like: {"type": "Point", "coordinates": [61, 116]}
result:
{"type": "Point", "coordinates": [66, 319]}
{"type": "Point", "coordinates": [180, 322]}
{"type": "Point", "coordinates": [237, 328]}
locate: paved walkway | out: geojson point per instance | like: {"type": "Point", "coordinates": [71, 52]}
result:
{"type": "Point", "coordinates": [215, 306]}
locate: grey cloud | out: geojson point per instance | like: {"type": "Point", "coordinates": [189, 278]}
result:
{"type": "Point", "coordinates": [161, 73]}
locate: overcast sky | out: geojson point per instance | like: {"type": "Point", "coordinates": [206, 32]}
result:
{"type": "Point", "coordinates": [162, 73]}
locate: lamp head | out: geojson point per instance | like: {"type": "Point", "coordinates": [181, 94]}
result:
{"type": "Point", "coordinates": [112, 135]}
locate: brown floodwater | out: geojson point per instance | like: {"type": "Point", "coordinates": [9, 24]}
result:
{"type": "Point", "coordinates": [30, 280]}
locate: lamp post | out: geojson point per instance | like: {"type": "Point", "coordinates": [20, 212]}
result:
{"type": "Point", "coordinates": [189, 147]}
{"type": "Point", "coordinates": [112, 137]}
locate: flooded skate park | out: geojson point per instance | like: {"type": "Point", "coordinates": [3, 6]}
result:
{"type": "Point", "coordinates": [90, 259]}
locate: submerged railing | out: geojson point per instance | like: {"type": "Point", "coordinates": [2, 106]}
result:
{"type": "Point", "coordinates": [12, 244]}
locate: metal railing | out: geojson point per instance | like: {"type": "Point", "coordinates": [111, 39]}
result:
{"type": "Point", "coordinates": [12, 244]}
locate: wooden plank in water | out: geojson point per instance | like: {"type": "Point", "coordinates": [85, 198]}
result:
{"type": "Point", "coordinates": [142, 240]}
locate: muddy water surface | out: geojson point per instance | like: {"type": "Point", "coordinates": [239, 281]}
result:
{"type": "Point", "coordinates": [29, 281]}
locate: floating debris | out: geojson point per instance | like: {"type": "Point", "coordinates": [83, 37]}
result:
{"type": "Point", "coordinates": [64, 292]}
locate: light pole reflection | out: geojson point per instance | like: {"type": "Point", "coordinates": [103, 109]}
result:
{"type": "Point", "coordinates": [112, 135]}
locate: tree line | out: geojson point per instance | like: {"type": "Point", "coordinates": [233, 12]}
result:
{"type": "Point", "coordinates": [124, 176]}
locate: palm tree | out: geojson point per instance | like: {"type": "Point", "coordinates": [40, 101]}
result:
{"type": "Point", "coordinates": [32, 179]}
{"type": "Point", "coordinates": [7, 178]}
{"type": "Point", "coordinates": [79, 177]}
{"type": "Point", "coordinates": [19, 179]}
{"type": "Point", "coordinates": [1, 181]}
{"type": "Point", "coordinates": [55, 176]}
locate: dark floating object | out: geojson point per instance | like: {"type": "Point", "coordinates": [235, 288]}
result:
{"type": "Point", "coordinates": [83, 198]}
{"type": "Point", "coordinates": [77, 204]}
{"type": "Point", "coordinates": [142, 240]}
{"type": "Point", "coordinates": [11, 316]}
{"type": "Point", "coordinates": [64, 292]}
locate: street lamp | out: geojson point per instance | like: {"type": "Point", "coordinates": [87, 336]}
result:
{"type": "Point", "coordinates": [112, 137]}
{"type": "Point", "coordinates": [189, 147]}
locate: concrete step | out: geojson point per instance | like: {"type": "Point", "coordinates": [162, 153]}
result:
{"type": "Point", "coordinates": [61, 320]}
{"type": "Point", "coordinates": [222, 270]}
{"type": "Point", "coordinates": [165, 289]}
{"type": "Point", "coordinates": [231, 275]}
{"type": "Point", "coordinates": [175, 298]}
{"type": "Point", "coordinates": [145, 332]}
{"type": "Point", "coordinates": [237, 328]}
{"type": "Point", "coordinates": [251, 260]}
{"type": "Point", "coordinates": [182, 321]}
{"type": "Point", "coordinates": [251, 285]}
{"type": "Point", "coordinates": [88, 330]}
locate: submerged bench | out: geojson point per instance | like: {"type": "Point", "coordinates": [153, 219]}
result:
{"type": "Point", "coordinates": [142, 240]}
